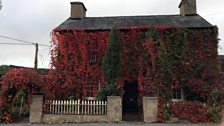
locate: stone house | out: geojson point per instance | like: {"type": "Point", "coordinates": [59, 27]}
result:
{"type": "Point", "coordinates": [81, 41]}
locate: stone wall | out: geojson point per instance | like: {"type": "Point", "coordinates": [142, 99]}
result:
{"type": "Point", "coordinates": [53, 118]}
{"type": "Point", "coordinates": [114, 113]}
{"type": "Point", "coordinates": [36, 109]}
{"type": "Point", "coordinates": [114, 108]}
{"type": "Point", "coordinates": [150, 109]}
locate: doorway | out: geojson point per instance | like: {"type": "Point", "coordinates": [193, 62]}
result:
{"type": "Point", "coordinates": [130, 102]}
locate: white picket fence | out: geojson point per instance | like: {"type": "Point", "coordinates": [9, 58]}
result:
{"type": "Point", "coordinates": [77, 107]}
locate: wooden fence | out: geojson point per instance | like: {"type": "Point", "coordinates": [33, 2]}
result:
{"type": "Point", "coordinates": [77, 107]}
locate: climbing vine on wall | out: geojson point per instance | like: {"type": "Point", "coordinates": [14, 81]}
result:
{"type": "Point", "coordinates": [160, 58]}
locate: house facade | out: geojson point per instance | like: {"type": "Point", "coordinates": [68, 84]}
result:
{"type": "Point", "coordinates": [172, 57]}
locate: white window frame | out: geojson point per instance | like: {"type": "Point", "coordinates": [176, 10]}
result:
{"type": "Point", "coordinates": [181, 97]}
{"type": "Point", "coordinates": [93, 57]}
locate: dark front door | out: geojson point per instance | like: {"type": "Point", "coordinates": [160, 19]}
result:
{"type": "Point", "coordinates": [130, 102]}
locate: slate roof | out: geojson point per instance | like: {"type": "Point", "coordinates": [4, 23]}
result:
{"type": "Point", "coordinates": [102, 23]}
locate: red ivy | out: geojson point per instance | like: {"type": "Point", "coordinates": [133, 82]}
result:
{"type": "Point", "coordinates": [20, 79]}
{"type": "Point", "coordinates": [143, 60]}
{"type": "Point", "coordinates": [192, 111]}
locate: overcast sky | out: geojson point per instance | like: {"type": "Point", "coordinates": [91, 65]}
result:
{"type": "Point", "coordinates": [33, 20]}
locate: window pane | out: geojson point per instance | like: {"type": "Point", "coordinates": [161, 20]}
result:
{"type": "Point", "coordinates": [176, 94]}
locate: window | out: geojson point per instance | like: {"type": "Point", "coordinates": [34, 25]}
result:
{"type": "Point", "coordinates": [177, 95]}
{"type": "Point", "coordinates": [92, 90]}
{"type": "Point", "coordinates": [93, 57]}
{"type": "Point", "coordinates": [92, 87]}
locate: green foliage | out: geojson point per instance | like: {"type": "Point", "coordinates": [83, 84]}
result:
{"type": "Point", "coordinates": [19, 96]}
{"type": "Point", "coordinates": [72, 97]}
{"type": "Point", "coordinates": [111, 90]}
{"type": "Point", "coordinates": [215, 117]}
{"type": "Point", "coordinates": [4, 69]}
{"type": "Point", "coordinates": [216, 97]}
{"type": "Point", "coordinates": [166, 114]}
{"type": "Point", "coordinates": [214, 113]}
{"type": "Point", "coordinates": [111, 62]}
{"type": "Point", "coordinates": [20, 105]}
{"type": "Point", "coordinates": [153, 33]}
{"type": "Point", "coordinates": [172, 54]}
{"type": "Point", "coordinates": [162, 59]}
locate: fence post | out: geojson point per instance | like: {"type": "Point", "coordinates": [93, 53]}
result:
{"type": "Point", "coordinates": [36, 109]}
{"type": "Point", "coordinates": [114, 108]}
{"type": "Point", "coordinates": [104, 107]}
{"type": "Point", "coordinates": [150, 109]}
{"type": "Point", "coordinates": [78, 106]}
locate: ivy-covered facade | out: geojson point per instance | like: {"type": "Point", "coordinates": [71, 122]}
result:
{"type": "Point", "coordinates": [169, 57]}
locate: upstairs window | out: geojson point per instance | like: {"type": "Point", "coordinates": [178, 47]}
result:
{"type": "Point", "coordinates": [93, 57]}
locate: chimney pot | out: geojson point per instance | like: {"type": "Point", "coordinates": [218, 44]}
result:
{"type": "Point", "coordinates": [78, 10]}
{"type": "Point", "coordinates": [188, 7]}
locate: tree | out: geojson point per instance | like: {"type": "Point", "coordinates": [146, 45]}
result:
{"type": "Point", "coordinates": [18, 83]}
{"type": "Point", "coordinates": [111, 64]}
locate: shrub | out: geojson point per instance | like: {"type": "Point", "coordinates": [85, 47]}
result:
{"type": "Point", "coordinates": [214, 113]}
{"type": "Point", "coordinates": [192, 111]}
{"type": "Point", "coordinates": [111, 90]}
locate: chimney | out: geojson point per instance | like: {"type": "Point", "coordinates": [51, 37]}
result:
{"type": "Point", "coordinates": [78, 10]}
{"type": "Point", "coordinates": [188, 7]}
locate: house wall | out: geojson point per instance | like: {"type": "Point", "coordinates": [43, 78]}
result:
{"type": "Point", "coordinates": [199, 51]}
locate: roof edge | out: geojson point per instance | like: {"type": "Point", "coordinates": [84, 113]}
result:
{"type": "Point", "coordinates": [128, 28]}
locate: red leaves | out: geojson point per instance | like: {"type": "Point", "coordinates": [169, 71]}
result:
{"type": "Point", "coordinates": [19, 79]}
{"type": "Point", "coordinates": [192, 111]}
{"type": "Point", "coordinates": [174, 57]}
{"type": "Point", "coordinates": [6, 118]}
{"type": "Point", "coordinates": [73, 48]}
{"type": "Point", "coordinates": [138, 57]}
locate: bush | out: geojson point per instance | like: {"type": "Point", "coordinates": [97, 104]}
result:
{"type": "Point", "coordinates": [192, 111]}
{"type": "Point", "coordinates": [6, 118]}
{"type": "Point", "coordinates": [166, 114]}
{"type": "Point", "coordinates": [214, 113]}
{"type": "Point", "coordinates": [111, 90]}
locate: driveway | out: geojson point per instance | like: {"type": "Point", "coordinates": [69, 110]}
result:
{"type": "Point", "coordinates": [110, 124]}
